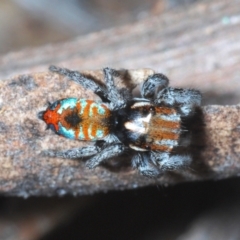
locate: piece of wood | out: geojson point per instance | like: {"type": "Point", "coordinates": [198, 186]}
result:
{"type": "Point", "coordinates": [196, 47]}
{"type": "Point", "coordinates": [25, 170]}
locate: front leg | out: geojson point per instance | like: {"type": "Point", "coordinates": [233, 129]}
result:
{"type": "Point", "coordinates": [166, 161]}
{"type": "Point", "coordinates": [107, 152]}
{"type": "Point", "coordinates": [153, 85]}
{"type": "Point", "coordinates": [118, 99]}
{"type": "Point", "coordinates": [184, 99]}
{"type": "Point", "coordinates": [76, 153]}
{"type": "Point", "coordinates": [87, 83]}
{"type": "Point", "coordinates": [101, 153]}
{"type": "Point", "coordinates": [145, 166]}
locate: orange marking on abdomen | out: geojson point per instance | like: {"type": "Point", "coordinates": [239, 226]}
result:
{"type": "Point", "coordinates": [95, 111]}
{"type": "Point", "coordinates": [85, 116]}
{"type": "Point", "coordinates": [52, 117]}
{"type": "Point", "coordinates": [94, 120]}
{"type": "Point", "coordinates": [107, 111]}
{"type": "Point", "coordinates": [87, 108]}
{"type": "Point", "coordinates": [94, 129]}
{"type": "Point", "coordinates": [77, 130]}
{"type": "Point", "coordinates": [79, 107]}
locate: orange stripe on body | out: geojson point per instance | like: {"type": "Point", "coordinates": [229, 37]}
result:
{"type": "Point", "coordinates": [94, 129]}
{"type": "Point", "coordinates": [86, 123]}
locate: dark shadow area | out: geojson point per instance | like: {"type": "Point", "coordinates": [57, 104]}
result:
{"type": "Point", "coordinates": [150, 213]}
{"type": "Point", "coordinates": [195, 126]}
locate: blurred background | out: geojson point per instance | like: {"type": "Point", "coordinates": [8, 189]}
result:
{"type": "Point", "coordinates": [202, 210]}
{"type": "Point", "coordinates": [26, 23]}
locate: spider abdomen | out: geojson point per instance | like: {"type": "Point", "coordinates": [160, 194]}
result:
{"type": "Point", "coordinates": [78, 119]}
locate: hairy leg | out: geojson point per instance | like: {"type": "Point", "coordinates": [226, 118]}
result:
{"type": "Point", "coordinates": [107, 152]}
{"type": "Point", "coordinates": [87, 83]}
{"type": "Point", "coordinates": [153, 85]}
{"type": "Point", "coordinates": [142, 162]}
{"type": "Point", "coordinates": [74, 153]}
{"type": "Point", "coordinates": [165, 161]}
{"type": "Point", "coordinates": [117, 98]}
{"type": "Point", "coordinates": [99, 153]}
{"type": "Point", "coordinates": [185, 99]}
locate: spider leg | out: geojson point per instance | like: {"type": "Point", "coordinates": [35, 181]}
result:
{"type": "Point", "coordinates": [74, 153]}
{"type": "Point", "coordinates": [165, 161]}
{"type": "Point", "coordinates": [87, 83]}
{"type": "Point", "coordinates": [108, 151]}
{"type": "Point", "coordinates": [185, 99]}
{"type": "Point", "coordinates": [154, 84]}
{"type": "Point", "coordinates": [117, 98]}
{"type": "Point", "coordinates": [141, 161]}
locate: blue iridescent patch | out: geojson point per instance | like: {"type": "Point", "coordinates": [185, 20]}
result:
{"type": "Point", "coordinates": [67, 103]}
{"type": "Point", "coordinates": [68, 133]}
{"type": "Point", "coordinates": [101, 110]}
{"type": "Point", "coordinates": [99, 133]}
{"type": "Point", "coordinates": [81, 134]}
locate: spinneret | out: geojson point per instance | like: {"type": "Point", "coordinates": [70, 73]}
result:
{"type": "Point", "coordinates": [149, 127]}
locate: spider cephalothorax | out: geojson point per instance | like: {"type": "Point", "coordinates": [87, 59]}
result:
{"type": "Point", "coordinates": [150, 126]}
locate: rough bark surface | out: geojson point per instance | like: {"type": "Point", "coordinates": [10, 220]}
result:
{"type": "Point", "coordinates": [26, 171]}
{"type": "Point", "coordinates": [196, 47]}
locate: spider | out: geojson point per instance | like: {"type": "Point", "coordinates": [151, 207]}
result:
{"type": "Point", "coordinates": [148, 127]}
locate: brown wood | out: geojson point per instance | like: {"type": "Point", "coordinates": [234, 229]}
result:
{"type": "Point", "coordinates": [25, 170]}
{"type": "Point", "coordinates": [196, 47]}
